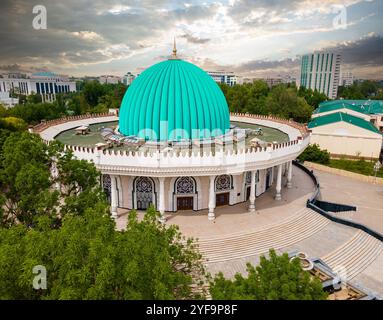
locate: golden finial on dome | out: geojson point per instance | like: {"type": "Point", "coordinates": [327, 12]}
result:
{"type": "Point", "coordinates": [174, 54]}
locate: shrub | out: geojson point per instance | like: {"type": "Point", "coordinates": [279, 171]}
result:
{"type": "Point", "coordinates": [314, 154]}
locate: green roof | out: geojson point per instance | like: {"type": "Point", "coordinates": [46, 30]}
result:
{"type": "Point", "coordinates": [363, 106]}
{"type": "Point", "coordinates": [340, 116]}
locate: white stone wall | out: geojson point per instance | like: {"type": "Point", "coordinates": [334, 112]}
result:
{"type": "Point", "coordinates": [343, 138]}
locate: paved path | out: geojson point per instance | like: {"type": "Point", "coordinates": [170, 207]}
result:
{"type": "Point", "coordinates": [367, 197]}
{"type": "Point", "coordinates": [339, 244]}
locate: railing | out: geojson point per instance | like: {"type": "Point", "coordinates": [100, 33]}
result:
{"type": "Point", "coordinates": [46, 124]}
{"type": "Point", "coordinates": [313, 201]}
{"type": "Point", "coordinates": [277, 148]}
{"type": "Point", "coordinates": [234, 159]}
{"type": "Point", "coordinates": [302, 128]}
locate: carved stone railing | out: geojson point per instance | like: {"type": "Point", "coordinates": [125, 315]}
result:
{"type": "Point", "coordinates": [46, 124]}
{"type": "Point", "coordinates": [301, 127]}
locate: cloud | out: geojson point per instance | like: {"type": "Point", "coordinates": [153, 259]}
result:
{"type": "Point", "coordinates": [250, 36]}
{"type": "Point", "coordinates": [366, 51]}
{"type": "Point", "coordinates": [196, 40]}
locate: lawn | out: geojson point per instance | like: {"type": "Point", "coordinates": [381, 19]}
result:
{"type": "Point", "coordinates": [358, 166]}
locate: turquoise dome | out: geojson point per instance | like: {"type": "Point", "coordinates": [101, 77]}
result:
{"type": "Point", "coordinates": [174, 100]}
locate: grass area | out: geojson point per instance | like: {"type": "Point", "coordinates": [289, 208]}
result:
{"type": "Point", "coordinates": [358, 166]}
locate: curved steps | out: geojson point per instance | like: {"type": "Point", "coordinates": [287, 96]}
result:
{"type": "Point", "coordinates": [348, 215]}
{"type": "Point", "coordinates": [241, 245]}
{"type": "Point", "coordinates": [355, 255]}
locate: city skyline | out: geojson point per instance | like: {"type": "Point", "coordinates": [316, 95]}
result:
{"type": "Point", "coordinates": [251, 38]}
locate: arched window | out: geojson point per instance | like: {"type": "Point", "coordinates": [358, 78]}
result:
{"type": "Point", "coordinates": [107, 185]}
{"type": "Point", "coordinates": [144, 192]}
{"type": "Point", "coordinates": [223, 182]}
{"type": "Point", "coordinates": [185, 185]}
{"type": "Point", "coordinates": [144, 184]}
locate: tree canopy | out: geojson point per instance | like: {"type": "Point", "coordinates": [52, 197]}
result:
{"type": "Point", "coordinates": [275, 278]}
{"type": "Point", "coordinates": [53, 213]}
{"type": "Point", "coordinates": [281, 100]}
{"type": "Point", "coordinates": [29, 187]}
{"type": "Point", "coordinates": [362, 90]}
{"type": "Point", "coordinates": [86, 258]}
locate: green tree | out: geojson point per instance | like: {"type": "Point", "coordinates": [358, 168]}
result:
{"type": "Point", "coordinates": [275, 278]}
{"type": "Point", "coordinates": [92, 91]}
{"type": "Point", "coordinates": [13, 124]}
{"type": "Point", "coordinates": [313, 153]}
{"type": "Point", "coordinates": [312, 97]}
{"type": "Point", "coordinates": [87, 258]}
{"type": "Point", "coordinates": [29, 187]}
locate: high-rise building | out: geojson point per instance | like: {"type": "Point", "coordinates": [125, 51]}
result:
{"type": "Point", "coordinates": [321, 71]}
{"type": "Point", "coordinates": [225, 77]}
{"type": "Point", "coordinates": [347, 79]}
{"type": "Point", "coordinates": [128, 78]}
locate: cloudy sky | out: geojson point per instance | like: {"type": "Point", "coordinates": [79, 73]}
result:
{"type": "Point", "coordinates": [254, 38]}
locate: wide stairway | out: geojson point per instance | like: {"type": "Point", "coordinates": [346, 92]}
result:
{"type": "Point", "coordinates": [355, 255]}
{"type": "Point", "coordinates": [296, 228]}
{"type": "Point", "coordinates": [348, 215]}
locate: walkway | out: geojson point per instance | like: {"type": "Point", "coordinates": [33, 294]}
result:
{"type": "Point", "coordinates": [367, 197]}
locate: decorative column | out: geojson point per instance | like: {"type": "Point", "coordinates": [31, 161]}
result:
{"type": "Point", "coordinates": [290, 175]}
{"type": "Point", "coordinates": [113, 196]}
{"type": "Point", "coordinates": [211, 214]}
{"type": "Point", "coordinates": [161, 202]}
{"type": "Point", "coordinates": [278, 187]}
{"type": "Point", "coordinates": [252, 192]}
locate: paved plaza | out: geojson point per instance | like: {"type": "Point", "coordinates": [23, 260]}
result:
{"type": "Point", "coordinates": [237, 236]}
{"type": "Point", "coordinates": [367, 197]}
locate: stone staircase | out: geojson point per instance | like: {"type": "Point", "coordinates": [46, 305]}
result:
{"type": "Point", "coordinates": [282, 234]}
{"type": "Point", "coordinates": [355, 255]}
{"type": "Point", "coordinates": [347, 215]}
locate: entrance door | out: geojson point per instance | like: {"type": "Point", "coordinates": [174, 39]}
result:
{"type": "Point", "coordinates": [248, 193]}
{"type": "Point", "coordinates": [144, 200]}
{"type": "Point", "coordinates": [184, 203]}
{"type": "Point", "coordinates": [268, 180]}
{"type": "Point", "coordinates": [222, 199]}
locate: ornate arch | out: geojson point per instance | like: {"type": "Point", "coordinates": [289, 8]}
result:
{"type": "Point", "coordinates": [223, 182]}
{"type": "Point", "coordinates": [185, 185]}
{"type": "Point", "coordinates": [143, 184]}
{"type": "Point", "coordinates": [144, 192]}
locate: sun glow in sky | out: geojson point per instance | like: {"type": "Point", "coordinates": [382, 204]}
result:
{"type": "Point", "coordinates": [251, 37]}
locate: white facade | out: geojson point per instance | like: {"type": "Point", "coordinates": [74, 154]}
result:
{"type": "Point", "coordinates": [225, 77]}
{"type": "Point", "coordinates": [347, 79]}
{"type": "Point", "coordinates": [342, 138]}
{"type": "Point", "coordinates": [190, 179]}
{"type": "Point", "coordinates": [46, 84]}
{"type": "Point", "coordinates": [109, 79]}
{"type": "Point", "coordinates": [321, 71]}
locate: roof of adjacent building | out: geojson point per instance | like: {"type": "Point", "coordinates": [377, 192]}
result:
{"type": "Point", "coordinates": [362, 106]}
{"type": "Point", "coordinates": [340, 116]}
{"type": "Point", "coordinates": [179, 94]}
{"type": "Point", "coordinates": [44, 74]}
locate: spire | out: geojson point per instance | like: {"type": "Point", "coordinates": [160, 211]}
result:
{"type": "Point", "coordinates": [174, 54]}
